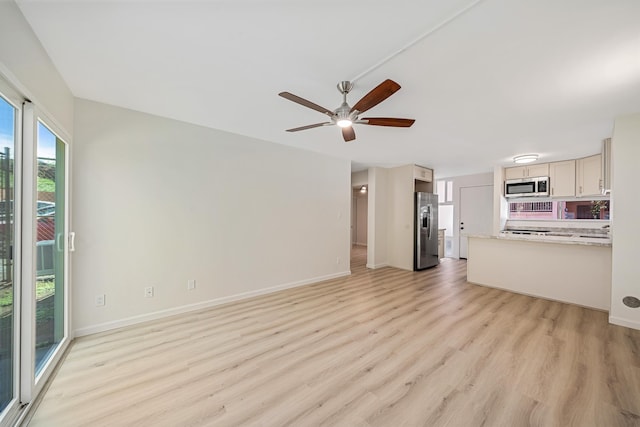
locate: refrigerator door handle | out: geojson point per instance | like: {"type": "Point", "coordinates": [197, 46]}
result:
{"type": "Point", "coordinates": [429, 222]}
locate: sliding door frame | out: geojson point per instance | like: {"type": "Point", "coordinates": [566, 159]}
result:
{"type": "Point", "coordinates": [28, 264]}
{"type": "Point", "coordinates": [31, 383]}
{"type": "Point", "coordinates": [10, 95]}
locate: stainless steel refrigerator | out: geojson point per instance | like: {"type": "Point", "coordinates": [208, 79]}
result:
{"type": "Point", "coordinates": [426, 231]}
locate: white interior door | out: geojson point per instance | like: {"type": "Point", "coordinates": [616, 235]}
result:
{"type": "Point", "coordinates": [476, 213]}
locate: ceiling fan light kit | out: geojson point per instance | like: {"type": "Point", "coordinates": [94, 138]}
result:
{"type": "Point", "coordinates": [345, 116]}
{"type": "Point", "coordinates": [344, 123]}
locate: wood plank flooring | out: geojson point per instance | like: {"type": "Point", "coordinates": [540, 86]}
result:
{"type": "Point", "coordinates": [379, 348]}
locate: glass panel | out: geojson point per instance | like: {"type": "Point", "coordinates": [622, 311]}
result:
{"type": "Point", "coordinates": [580, 209]}
{"type": "Point", "coordinates": [585, 209]}
{"type": "Point", "coordinates": [440, 191]}
{"type": "Point", "coordinates": [445, 220]}
{"type": "Point", "coordinates": [7, 312]}
{"type": "Point", "coordinates": [50, 214]}
{"type": "Point", "coordinates": [533, 210]}
{"type": "Point", "coordinates": [449, 191]}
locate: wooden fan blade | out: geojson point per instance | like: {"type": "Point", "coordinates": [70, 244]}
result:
{"type": "Point", "coordinates": [376, 96]}
{"type": "Point", "coordinates": [348, 134]}
{"type": "Point", "coordinates": [304, 102]}
{"type": "Point", "coordinates": [388, 121]}
{"type": "Point", "coordinates": [315, 125]}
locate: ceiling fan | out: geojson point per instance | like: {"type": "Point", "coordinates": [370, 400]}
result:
{"type": "Point", "coordinates": [345, 116]}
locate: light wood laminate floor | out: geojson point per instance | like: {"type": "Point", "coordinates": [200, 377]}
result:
{"type": "Point", "coordinates": [379, 348]}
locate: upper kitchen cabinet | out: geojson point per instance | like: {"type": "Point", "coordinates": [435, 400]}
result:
{"type": "Point", "coordinates": [589, 176]}
{"type": "Point", "coordinates": [422, 173]}
{"type": "Point", "coordinates": [541, 169]}
{"type": "Point", "coordinates": [563, 178]}
{"type": "Point", "coordinates": [422, 179]}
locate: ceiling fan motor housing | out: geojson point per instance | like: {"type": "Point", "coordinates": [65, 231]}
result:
{"type": "Point", "coordinates": [345, 87]}
{"type": "Point", "coordinates": [343, 112]}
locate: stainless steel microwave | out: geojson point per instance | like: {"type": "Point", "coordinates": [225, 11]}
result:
{"type": "Point", "coordinates": [527, 187]}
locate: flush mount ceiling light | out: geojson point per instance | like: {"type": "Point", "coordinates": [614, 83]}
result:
{"type": "Point", "coordinates": [526, 158]}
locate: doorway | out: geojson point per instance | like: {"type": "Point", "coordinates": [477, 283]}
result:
{"type": "Point", "coordinates": [476, 214]}
{"type": "Point", "coordinates": [359, 223]}
{"type": "Point", "coordinates": [359, 217]}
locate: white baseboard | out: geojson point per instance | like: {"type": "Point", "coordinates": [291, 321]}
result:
{"type": "Point", "coordinates": [624, 322]}
{"type": "Point", "coordinates": [374, 266]}
{"type": "Point", "coordinates": [108, 326]}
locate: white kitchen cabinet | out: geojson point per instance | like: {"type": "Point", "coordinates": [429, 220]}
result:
{"type": "Point", "coordinates": [422, 174]}
{"type": "Point", "coordinates": [529, 171]}
{"type": "Point", "coordinates": [515, 173]}
{"type": "Point", "coordinates": [422, 179]}
{"type": "Point", "coordinates": [589, 176]}
{"type": "Point", "coordinates": [563, 178]}
{"type": "Point", "coordinates": [538, 170]}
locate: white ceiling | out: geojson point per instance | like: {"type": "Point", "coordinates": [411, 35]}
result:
{"type": "Point", "coordinates": [485, 80]}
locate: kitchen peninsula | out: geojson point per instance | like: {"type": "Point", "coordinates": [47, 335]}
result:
{"type": "Point", "coordinates": [573, 270]}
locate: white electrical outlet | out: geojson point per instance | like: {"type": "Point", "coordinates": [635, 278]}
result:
{"type": "Point", "coordinates": [191, 284]}
{"type": "Point", "coordinates": [338, 260]}
{"type": "Point", "coordinates": [100, 300]}
{"type": "Point", "coordinates": [148, 292]}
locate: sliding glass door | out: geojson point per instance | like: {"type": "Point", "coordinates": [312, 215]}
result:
{"type": "Point", "coordinates": [9, 292]}
{"type": "Point", "coordinates": [33, 251]}
{"type": "Point", "coordinates": [43, 287]}
{"type": "Point", "coordinates": [50, 245]}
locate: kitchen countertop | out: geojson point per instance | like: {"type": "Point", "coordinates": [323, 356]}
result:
{"type": "Point", "coordinates": [564, 240]}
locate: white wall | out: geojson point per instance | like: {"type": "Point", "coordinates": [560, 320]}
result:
{"type": "Point", "coordinates": [26, 65]}
{"type": "Point", "coordinates": [500, 204]}
{"type": "Point", "coordinates": [400, 226]}
{"type": "Point", "coordinates": [625, 229]}
{"type": "Point", "coordinates": [159, 202]}
{"type": "Point", "coordinates": [377, 254]}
